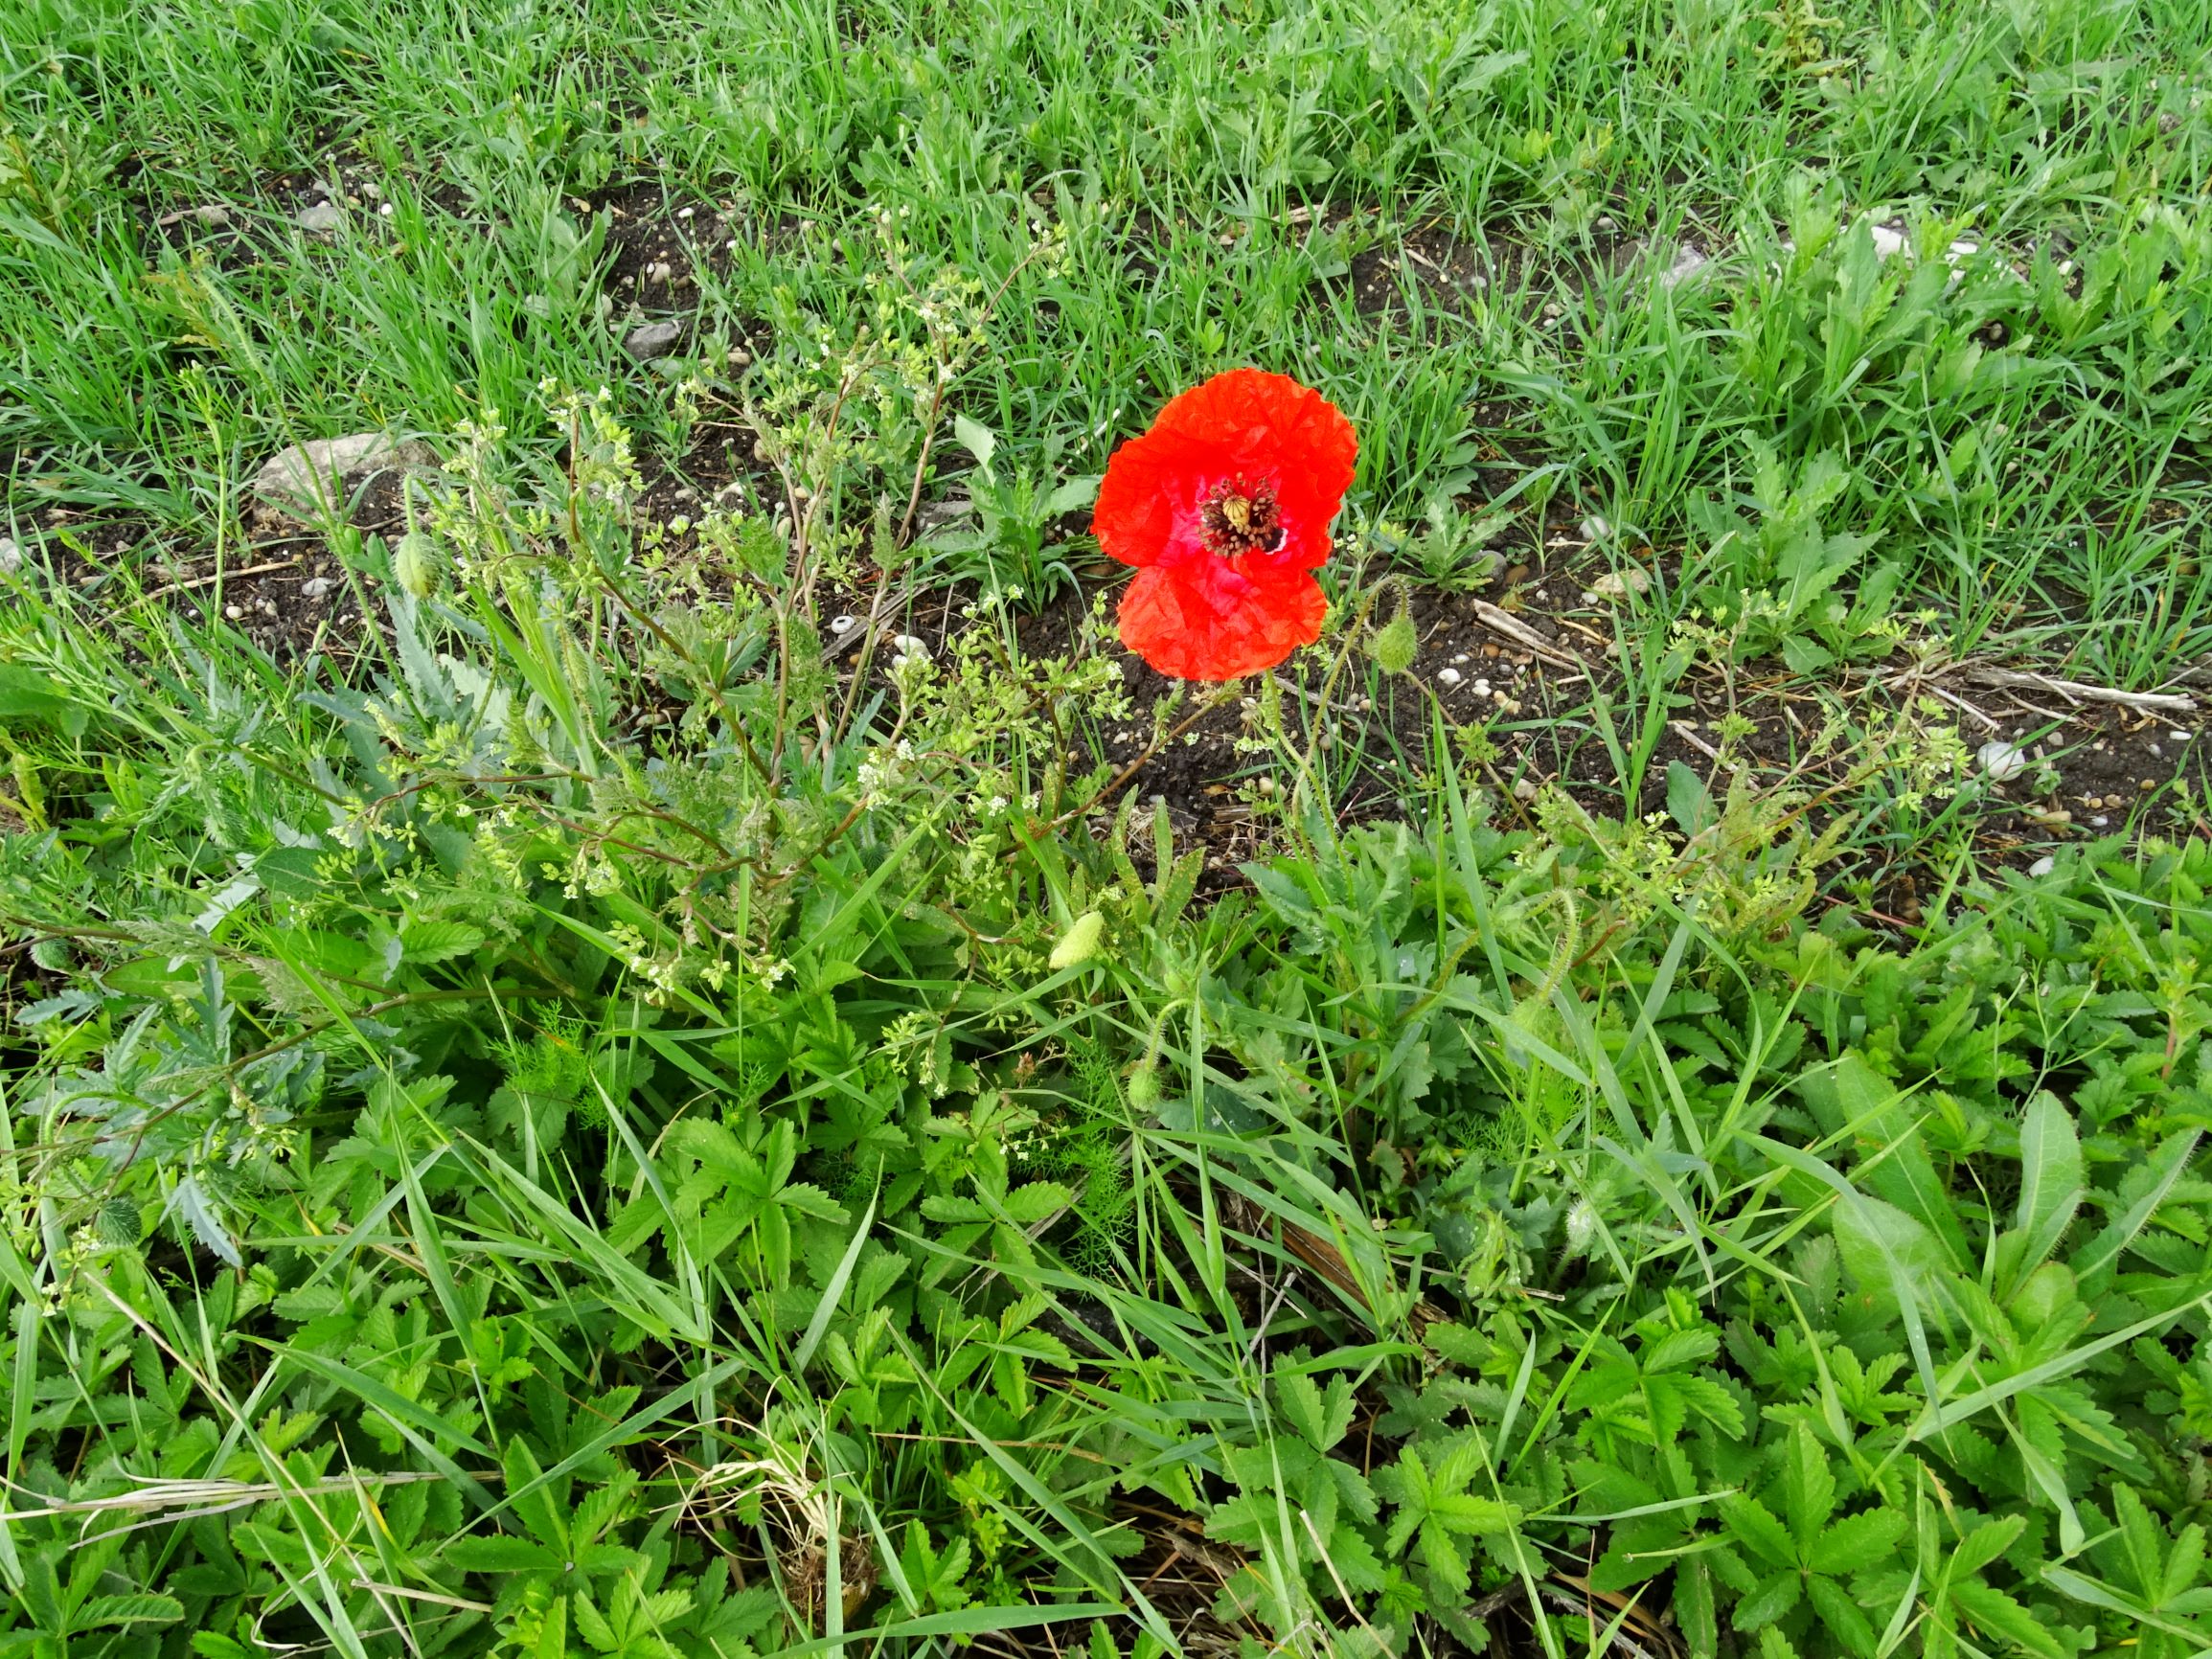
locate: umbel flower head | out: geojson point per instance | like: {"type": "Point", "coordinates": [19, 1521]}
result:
{"type": "Point", "coordinates": [1225, 508]}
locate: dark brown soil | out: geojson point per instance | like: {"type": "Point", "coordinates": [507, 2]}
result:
{"type": "Point", "coordinates": [2090, 768]}
{"type": "Point", "coordinates": [281, 586]}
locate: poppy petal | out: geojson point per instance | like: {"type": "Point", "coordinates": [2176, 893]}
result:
{"type": "Point", "coordinates": [1201, 608]}
{"type": "Point", "coordinates": [1182, 629]}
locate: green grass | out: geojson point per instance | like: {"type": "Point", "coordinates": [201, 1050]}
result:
{"type": "Point", "coordinates": [565, 1122]}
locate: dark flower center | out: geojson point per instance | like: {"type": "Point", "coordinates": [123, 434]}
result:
{"type": "Point", "coordinates": [1239, 518]}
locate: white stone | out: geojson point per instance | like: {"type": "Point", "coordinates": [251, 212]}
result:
{"type": "Point", "coordinates": [298, 477]}
{"type": "Point", "coordinates": [11, 555]}
{"type": "Point", "coordinates": [2178, 736]}
{"type": "Point", "coordinates": [1447, 676]}
{"type": "Point", "coordinates": [316, 588]}
{"type": "Point", "coordinates": [2044, 866]}
{"type": "Point", "coordinates": [214, 215]}
{"type": "Point", "coordinates": [1596, 529]}
{"type": "Point", "coordinates": [650, 340]}
{"type": "Point", "coordinates": [321, 219]}
{"type": "Point", "coordinates": [843, 624]}
{"type": "Point", "coordinates": [2003, 762]}
{"type": "Point", "coordinates": [1689, 260]}
{"type": "Point", "coordinates": [1887, 242]}
{"type": "Point", "coordinates": [1616, 583]}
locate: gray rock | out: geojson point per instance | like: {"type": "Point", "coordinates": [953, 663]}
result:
{"type": "Point", "coordinates": [2003, 762]}
{"type": "Point", "coordinates": [2042, 866]}
{"type": "Point", "coordinates": [321, 219]}
{"type": "Point", "coordinates": [651, 340]}
{"type": "Point", "coordinates": [11, 555]}
{"type": "Point", "coordinates": [316, 588]}
{"type": "Point", "coordinates": [298, 478]}
{"type": "Point", "coordinates": [1689, 260]}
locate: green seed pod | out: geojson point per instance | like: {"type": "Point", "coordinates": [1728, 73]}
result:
{"type": "Point", "coordinates": [1394, 645]}
{"type": "Point", "coordinates": [1144, 1084]}
{"type": "Point", "coordinates": [414, 562]}
{"type": "Point", "coordinates": [1080, 942]}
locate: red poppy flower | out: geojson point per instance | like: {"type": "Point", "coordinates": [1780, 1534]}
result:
{"type": "Point", "coordinates": [1225, 508]}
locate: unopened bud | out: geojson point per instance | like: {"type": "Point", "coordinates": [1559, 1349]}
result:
{"type": "Point", "coordinates": [1394, 646]}
{"type": "Point", "coordinates": [413, 562]}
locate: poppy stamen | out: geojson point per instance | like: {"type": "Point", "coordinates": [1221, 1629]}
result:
{"type": "Point", "coordinates": [1238, 517]}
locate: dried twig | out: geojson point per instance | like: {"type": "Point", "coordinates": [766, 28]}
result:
{"type": "Point", "coordinates": [2077, 691]}
{"type": "Point", "coordinates": [1961, 704]}
{"type": "Point", "coordinates": [1524, 636]}
{"type": "Point", "coordinates": [215, 575]}
{"type": "Point", "coordinates": [1688, 732]}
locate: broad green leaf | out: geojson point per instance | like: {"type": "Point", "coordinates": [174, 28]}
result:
{"type": "Point", "coordinates": [2050, 1182]}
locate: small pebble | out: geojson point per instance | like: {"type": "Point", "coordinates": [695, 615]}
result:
{"type": "Point", "coordinates": [685, 213]}
{"type": "Point", "coordinates": [2178, 736]}
{"type": "Point", "coordinates": [1448, 677]}
{"type": "Point", "coordinates": [650, 340]}
{"type": "Point", "coordinates": [843, 624]}
{"type": "Point", "coordinates": [1589, 596]}
{"type": "Point", "coordinates": [1461, 658]}
{"type": "Point", "coordinates": [2044, 866]}
{"type": "Point", "coordinates": [384, 209]}
{"type": "Point", "coordinates": [1604, 223]}
{"type": "Point", "coordinates": [11, 555]}
{"type": "Point", "coordinates": [317, 588]}
{"type": "Point", "coordinates": [1525, 789]}
{"type": "Point", "coordinates": [234, 612]}
{"type": "Point", "coordinates": [1482, 688]}
{"type": "Point", "coordinates": [2001, 760]}
{"type": "Point", "coordinates": [1596, 529]}
{"type": "Point", "coordinates": [2099, 822]}
{"type": "Point", "coordinates": [659, 271]}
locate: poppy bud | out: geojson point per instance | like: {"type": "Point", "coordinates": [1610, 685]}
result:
{"type": "Point", "coordinates": [411, 562]}
{"type": "Point", "coordinates": [1393, 645]}
{"type": "Point", "coordinates": [1080, 942]}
